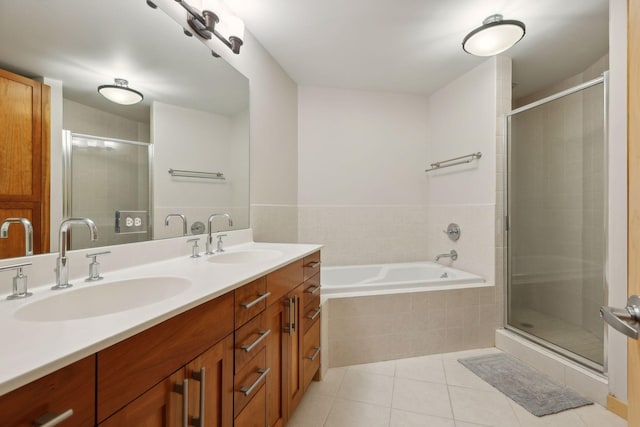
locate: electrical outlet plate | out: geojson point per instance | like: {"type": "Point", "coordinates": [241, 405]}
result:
{"type": "Point", "coordinates": [131, 222]}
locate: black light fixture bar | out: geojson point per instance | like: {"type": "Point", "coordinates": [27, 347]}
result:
{"type": "Point", "coordinates": [204, 24]}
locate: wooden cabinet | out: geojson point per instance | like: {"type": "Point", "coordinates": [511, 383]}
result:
{"type": "Point", "coordinates": [235, 360]}
{"type": "Point", "coordinates": [70, 388]}
{"type": "Point", "coordinates": [24, 175]}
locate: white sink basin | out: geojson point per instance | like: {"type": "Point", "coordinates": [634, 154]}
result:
{"type": "Point", "coordinates": [245, 257]}
{"type": "Point", "coordinates": [83, 302]}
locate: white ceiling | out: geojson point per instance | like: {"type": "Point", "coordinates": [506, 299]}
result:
{"type": "Point", "coordinates": [414, 46]}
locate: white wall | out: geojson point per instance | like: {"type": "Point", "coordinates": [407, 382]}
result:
{"type": "Point", "coordinates": [617, 239]}
{"type": "Point", "coordinates": [194, 140]}
{"type": "Point", "coordinates": [361, 174]}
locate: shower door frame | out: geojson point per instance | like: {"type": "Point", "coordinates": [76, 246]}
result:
{"type": "Point", "coordinates": [561, 351]}
{"type": "Point", "coordinates": [67, 172]}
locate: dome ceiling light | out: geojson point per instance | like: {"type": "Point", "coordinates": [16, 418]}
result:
{"type": "Point", "coordinates": [494, 36]}
{"type": "Point", "coordinates": [120, 93]}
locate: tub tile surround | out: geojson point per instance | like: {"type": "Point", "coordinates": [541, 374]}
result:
{"type": "Point", "coordinates": [372, 328]}
{"type": "Point", "coordinates": [434, 391]}
{"type": "Point", "coordinates": [53, 345]}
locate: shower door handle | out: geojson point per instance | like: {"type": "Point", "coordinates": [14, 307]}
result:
{"type": "Point", "coordinates": [625, 320]}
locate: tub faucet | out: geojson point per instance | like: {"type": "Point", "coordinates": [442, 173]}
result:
{"type": "Point", "coordinates": [184, 222]}
{"type": "Point", "coordinates": [453, 255]}
{"type": "Point", "coordinates": [209, 244]}
{"type": "Point", "coordinates": [28, 232]}
{"type": "Point", "coordinates": [62, 263]}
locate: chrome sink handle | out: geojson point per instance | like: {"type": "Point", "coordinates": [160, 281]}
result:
{"type": "Point", "coordinates": [94, 272]}
{"type": "Point", "coordinates": [625, 320]}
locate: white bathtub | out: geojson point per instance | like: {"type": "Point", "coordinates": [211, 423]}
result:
{"type": "Point", "coordinates": [394, 278]}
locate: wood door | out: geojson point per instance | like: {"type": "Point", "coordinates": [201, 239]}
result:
{"type": "Point", "coordinates": [633, 141]}
{"type": "Point", "coordinates": [277, 344]}
{"type": "Point", "coordinates": [295, 382]}
{"type": "Point", "coordinates": [218, 385]}
{"type": "Point", "coordinates": [161, 406]}
{"type": "Point", "coordinates": [24, 161]}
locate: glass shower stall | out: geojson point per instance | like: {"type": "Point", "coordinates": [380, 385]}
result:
{"type": "Point", "coordinates": [556, 200]}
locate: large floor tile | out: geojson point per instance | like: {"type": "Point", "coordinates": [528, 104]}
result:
{"type": "Point", "coordinates": [597, 416]}
{"type": "Point", "coordinates": [382, 368]}
{"type": "Point", "coordinates": [411, 419]}
{"type": "Point", "coordinates": [424, 368]}
{"type": "Point", "coordinates": [482, 407]}
{"type": "Point", "coordinates": [330, 384]}
{"type": "Point", "coordinates": [422, 397]}
{"type": "Point", "coordinates": [367, 387]}
{"type": "Point", "coordinates": [562, 419]}
{"type": "Point", "coordinates": [465, 424]}
{"type": "Point", "coordinates": [346, 413]}
{"type": "Point", "coordinates": [312, 411]}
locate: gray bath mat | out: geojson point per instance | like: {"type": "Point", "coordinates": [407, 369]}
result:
{"type": "Point", "coordinates": [527, 387]}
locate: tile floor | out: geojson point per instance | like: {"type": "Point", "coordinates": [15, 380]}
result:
{"type": "Point", "coordinates": [429, 391]}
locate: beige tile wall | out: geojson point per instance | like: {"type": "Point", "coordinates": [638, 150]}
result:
{"type": "Point", "coordinates": [374, 328]}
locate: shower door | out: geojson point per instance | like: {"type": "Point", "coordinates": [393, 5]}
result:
{"type": "Point", "coordinates": [556, 205]}
{"type": "Point", "coordinates": [104, 176]}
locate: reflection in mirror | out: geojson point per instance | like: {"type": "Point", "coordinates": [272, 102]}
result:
{"type": "Point", "coordinates": [194, 117]}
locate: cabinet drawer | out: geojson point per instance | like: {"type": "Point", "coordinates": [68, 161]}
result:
{"type": "Point", "coordinates": [311, 289]}
{"type": "Point", "coordinates": [249, 340]}
{"type": "Point", "coordinates": [253, 415]}
{"type": "Point", "coordinates": [249, 381]}
{"type": "Point", "coordinates": [311, 314]}
{"type": "Point", "coordinates": [311, 353]}
{"type": "Point", "coordinates": [250, 300]}
{"type": "Point", "coordinates": [72, 387]}
{"type": "Point", "coordinates": [131, 367]}
{"type": "Point", "coordinates": [311, 265]}
{"type": "Point", "coordinates": [282, 281]}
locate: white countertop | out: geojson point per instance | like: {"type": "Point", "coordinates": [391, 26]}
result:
{"type": "Point", "coordinates": [34, 348]}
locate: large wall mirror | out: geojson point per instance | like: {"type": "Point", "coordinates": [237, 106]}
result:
{"type": "Point", "coordinates": [110, 160]}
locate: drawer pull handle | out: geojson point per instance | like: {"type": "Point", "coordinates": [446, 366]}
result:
{"type": "Point", "coordinates": [183, 389]}
{"type": "Point", "coordinates": [51, 420]}
{"type": "Point", "coordinates": [263, 373]}
{"type": "Point", "coordinates": [263, 335]}
{"type": "Point", "coordinates": [316, 313]}
{"type": "Point", "coordinates": [261, 297]}
{"type": "Point", "coordinates": [312, 290]}
{"type": "Point", "coordinates": [200, 377]}
{"type": "Point", "coordinates": [313, 264]}
{"type": "Point", "coordinates": [315, 354]}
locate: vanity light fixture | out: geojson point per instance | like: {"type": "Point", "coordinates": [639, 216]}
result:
{"type": "Point", "coordinates": [120, 93]}
{"type": "Point", "coordinates": [494, 36]}
{"type": "Point", "coordinates": [216, 19]}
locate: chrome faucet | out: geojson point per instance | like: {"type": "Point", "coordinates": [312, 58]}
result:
{"type": "Point", "coordinates": [453, 255]}
{"type": "Point", "coordinates": [62, 263]}
{"type": "Point", "coordinates": [184, 222]}
{"type": "Point", "coordinates": [28, 232]}
{"type": "Point", "coordinates": [209, 244]}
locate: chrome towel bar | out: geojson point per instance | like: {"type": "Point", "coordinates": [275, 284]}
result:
{"type": "Point", "coordinates": [196, 174]}
{"type": "Point", "coordinates": [455, 161]}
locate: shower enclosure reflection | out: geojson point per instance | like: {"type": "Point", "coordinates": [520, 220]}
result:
{"type": "Point", "coordinates": [557, 212]}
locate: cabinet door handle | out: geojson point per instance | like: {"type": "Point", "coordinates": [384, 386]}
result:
{"type": "Point", "coordinates": [183, 389]}
{"type": "Point", "coordinates": [247, 390]}
{"type": "Point", "coordinates": [294, 320]}
{"type": "Point", "coordinates": [315, 354]}
{"type": "Point", "coordinates": [316, 313]}
{"type": "Point", "coordinates": [261, 297]}
{"type": "Point", "coordinates": [313, 264]}
{"type": "Point", "coordinates": [290, 303]}
{"type": "Point", "coordinates": [200, 377]}
{"type": "Point", "coordinates": [263, 335]}
{"type": "Point", "coordinates": [51, 420]}
{"type": "Point", "coordinates": [312, 290]}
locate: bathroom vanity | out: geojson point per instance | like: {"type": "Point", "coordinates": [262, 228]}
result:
{"type": "Point", "coordinates": [241, 354]}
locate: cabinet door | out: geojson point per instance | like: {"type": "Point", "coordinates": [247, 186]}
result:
{"type": "Point", "coordinates": [295, 380]}
{"type": "Point", "coordinates": [72, 387]}
{"type": "Point", "coordinates": [162, 406]}
{"type": "Point", "coordinates": [24, 174]}
{"type": "Point", "coordinates": [212, 372]}
{"type": "Point", "coordinates": [277, 345]}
